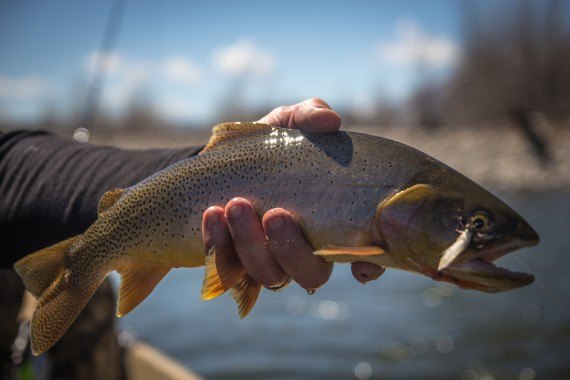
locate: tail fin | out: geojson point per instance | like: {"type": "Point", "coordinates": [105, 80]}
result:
{"type": "Point", "coordinates": [61, 293]}
{"type": "Point", "coordinates": [40, 269]}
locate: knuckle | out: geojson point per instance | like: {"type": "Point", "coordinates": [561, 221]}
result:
{"type": "Point", "coordinates": [279, 109]}
{"type": "Point", "coordinates": [318, 102]}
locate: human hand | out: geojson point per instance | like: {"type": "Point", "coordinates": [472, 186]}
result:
{"type": "Point", "coordinates": [273, 249]}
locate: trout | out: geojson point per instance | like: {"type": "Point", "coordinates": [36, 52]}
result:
{"type": "Point", "coordinates": [357, 198]}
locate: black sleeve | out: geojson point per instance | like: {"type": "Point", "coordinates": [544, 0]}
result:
{"type": "Point", "coordinates": [50, 186]}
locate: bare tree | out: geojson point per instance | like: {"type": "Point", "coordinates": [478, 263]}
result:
{"type": "Point", "coordinates": [513, 60]}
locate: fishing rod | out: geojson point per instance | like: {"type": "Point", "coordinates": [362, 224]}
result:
{"type": "Point", "coordinates": [99, 71]}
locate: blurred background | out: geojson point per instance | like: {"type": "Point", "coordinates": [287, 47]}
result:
{"type": "Point", "coordinates": [482, 85]}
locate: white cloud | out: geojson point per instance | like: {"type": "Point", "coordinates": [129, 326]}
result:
{"type": "Point", "coordinates": [23, 88]}
{"type": "Point", "coordinates": [242, 58]}
{"type": "Point", "coordinates": [181, 70]}
{"type": "Point", "coordinates": [175, 108]}
{"type": "Point", "coordinates": [111, 63]}
{"type": "Point", "coordinates": [412, 45]}
{"type": "Point", "coordinates": [124, 77]}
{"type": "Point", "coordinates": [122, 86]}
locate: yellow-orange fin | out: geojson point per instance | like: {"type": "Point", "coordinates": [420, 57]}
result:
{"type": "Point", "coordinates": [137, 282]}
{"type": "Point", "coordinates": [61, 292]}
{"type": "Point", "coordinates": [245, 293]}
{"type": "Point", "coordinates": [40, 269]}
{"type": "Point", "coordinates": [368, 254]}
{"type": "Point", "coordinates": [59, 306]}
{"type": "Point", "coordinates": [331, 250]}
{"type": "Point", "coordinates": [227, 131]}
{"type": "Point", "coordinates": [109, 199]}
{"type": "Point", "coordinates": [220, 274]}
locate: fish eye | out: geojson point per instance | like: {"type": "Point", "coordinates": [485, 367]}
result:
{"type": "Point", "coordinates": [481, 221]}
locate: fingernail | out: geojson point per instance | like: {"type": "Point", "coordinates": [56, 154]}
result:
{"type": "Point", "coordinates": [275, 223]}
{"type": "Point", "coordinates": [212, 218]}
{"type": "Point", "coordinates": [236, 211]}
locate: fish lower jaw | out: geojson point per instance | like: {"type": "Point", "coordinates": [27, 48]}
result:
{"type": "Point", "coordinates": [476, 269]}
{"type": "Point", "coordinates": [482, 274]}
{"type": "Point", "coordinates": [491, 268]}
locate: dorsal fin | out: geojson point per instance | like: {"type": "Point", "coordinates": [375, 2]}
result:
{"type": "Point", "coordinates": [109, 199]}
{"type": "Point", "coordinates": [225, 132]}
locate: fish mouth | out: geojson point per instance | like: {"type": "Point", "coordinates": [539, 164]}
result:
{"type": "Point", "coordinates": [481, 273]}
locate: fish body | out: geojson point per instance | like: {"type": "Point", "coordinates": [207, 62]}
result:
{"type": "Point", "coordinates": [356, 198]}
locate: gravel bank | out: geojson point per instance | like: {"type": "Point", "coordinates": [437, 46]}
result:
{"type": "Point", "coordinates": [496, 156]}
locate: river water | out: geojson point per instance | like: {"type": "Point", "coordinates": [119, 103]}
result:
{"type": "Point", "coordinates": [403, 326]}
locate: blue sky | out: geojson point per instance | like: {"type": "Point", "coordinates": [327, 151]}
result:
{"type": "Point", "coordinates": [186, 56]}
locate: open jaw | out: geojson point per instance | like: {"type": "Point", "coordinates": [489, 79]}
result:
{"type": "Point", "coordinates": [482, 274]}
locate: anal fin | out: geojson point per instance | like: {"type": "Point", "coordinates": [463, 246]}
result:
{"type": "Point", "coordinates": [137, 282]}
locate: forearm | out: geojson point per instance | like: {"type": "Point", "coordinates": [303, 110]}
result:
{"type": "Point", "coordinates": [50, 186]}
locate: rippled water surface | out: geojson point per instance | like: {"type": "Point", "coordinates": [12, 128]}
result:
{"type": "Point", "coordinates": [403, 326]}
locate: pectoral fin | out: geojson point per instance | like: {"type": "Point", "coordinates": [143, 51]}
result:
{"type": "Point", "coordinates": [137, 282]}
{"type": "Point", "coordinates": [368, 254]}
{"type": "Point", "coordinates": [221, 274]}
{"type": "Point", "coordinates": [333, 250]}
{"type": "Point", "coordinates": [245, 293]}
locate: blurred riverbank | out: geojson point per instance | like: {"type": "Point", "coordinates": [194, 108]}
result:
{"type": "Point", "coordinates": [495, 155]}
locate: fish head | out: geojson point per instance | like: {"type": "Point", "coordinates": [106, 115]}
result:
{"type": "Point", "coordinates": [452, 230]}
